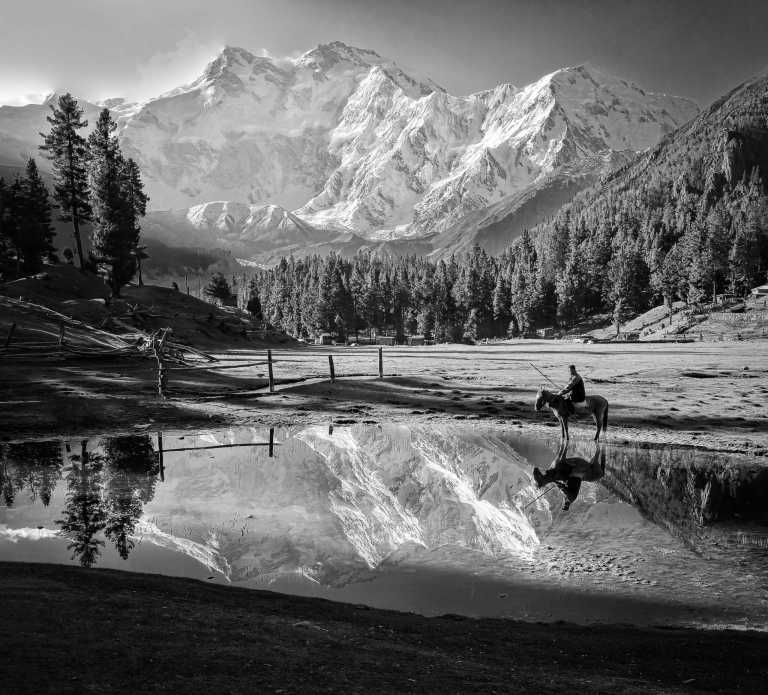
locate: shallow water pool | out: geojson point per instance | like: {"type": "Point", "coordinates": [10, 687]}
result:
{"type": "Point", "coordinates": [426, 519]}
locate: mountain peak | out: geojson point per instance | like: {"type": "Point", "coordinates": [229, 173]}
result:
{"type": "Point", "coordinates": [228, 57]}
{"type": "Point", "coordinates": [326, 55]}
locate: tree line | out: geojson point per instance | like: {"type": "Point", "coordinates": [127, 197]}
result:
{"type": "Point", "coordinates": [94, 184]}
{"type": "Point", "coordinates": [472, 297]}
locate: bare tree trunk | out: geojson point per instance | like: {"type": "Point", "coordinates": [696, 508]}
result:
{"type": "Point", "coordinates": [78, 242]}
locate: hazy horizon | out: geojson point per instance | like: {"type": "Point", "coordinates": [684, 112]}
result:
{"type": "Point", "coordinates": [137, 49]}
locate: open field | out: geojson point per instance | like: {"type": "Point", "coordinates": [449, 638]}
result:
{"type": "Point", "coordinates": [710, 395]}
{"type": "Point", "coordinates": [69, 630]}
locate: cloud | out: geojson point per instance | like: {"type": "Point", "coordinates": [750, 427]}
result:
{"type": "Point", "coordinates": [24, 91]}
{"type": "Point", "coordinates": [14, 535]}
{"type": "Point", "coordinates": [180, 65]}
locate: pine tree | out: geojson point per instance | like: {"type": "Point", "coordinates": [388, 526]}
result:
{"type": "Point", "coordinates": [136, 200]}
{"type": "Point", "coordinates": [115, 237]}
{"type": "Point", "coordinates": [35, 233]}
{"type": "Point", "coordinates": [471, 325]}
{"type": "Point", "coordinates": [27, 231]}
{"type": "Point", "coordinates": [253, 307]}
{"type": "Point", "coordinates": [629, 278]}
{"type": "Point", "coordinates": [342, 302]}
{"type": "Point", "coordinates": [444, 305]}
{"type": "Point", "coordinates": [67, 150]}
{"type": "Point", "coordinates": [6, 246]}
{"type": "Point", "coordinates": [569, 304]}
{"type": "Point", "coordinates": [718, 246]}
{"type": "Point", "coordinates": [744, 255]}
{"type": "Point", "coordinates": [502, 298]}
{"type": "Point", "coordinates": [671, 275]}
{"type": "Point", "coordinates": [15, 209]}
{"type": "Point", "coordinates": [218, 288]}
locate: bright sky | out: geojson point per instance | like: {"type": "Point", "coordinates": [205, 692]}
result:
{"type": "Point", "coordinates": [139, 48]}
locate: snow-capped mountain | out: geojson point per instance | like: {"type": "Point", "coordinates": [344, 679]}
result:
{"type": "Point", "coordinates": [350, 142]}
{"type": "Point", "coordinates": [263, 233]}
{"type": "Point", "coordinates": [247, 230]}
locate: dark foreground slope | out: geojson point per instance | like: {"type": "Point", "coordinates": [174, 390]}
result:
{"type": "Point", "coordinates": [69, 630]}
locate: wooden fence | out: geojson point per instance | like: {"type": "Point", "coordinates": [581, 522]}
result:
{"type": "Point", "coordinates": [270, 363]}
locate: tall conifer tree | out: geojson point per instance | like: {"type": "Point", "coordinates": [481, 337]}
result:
{"type": "Point", "coordinates": [34, 233]}
{"type": "Point", "coordinates": [67, 150]}
{"type": "Point", "coordinates": [115, 237]}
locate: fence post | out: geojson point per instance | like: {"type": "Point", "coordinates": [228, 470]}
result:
{"type": "Point", "coordinates": [10, 335]}
{"type": "Point", "coordinates": [271, 442]}
{"type": "Point", "coordinates": [331, 369]}
{"type": "Point", "coordinates": [381, 363]}
{"type": "Point", "coordinates": [271, 375]}
{"type": "Point", "coordinates": [62, 330]}
{"type": "Point", "coordinates": [160, 456]}
{"type": "Point", "coordinates": [158, 347]}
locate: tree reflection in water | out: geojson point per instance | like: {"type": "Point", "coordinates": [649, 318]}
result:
{"type": "Point", "coordinates": [84, 514]}
{"type": "Point", "coordinates": [36, 466]}
{"type": "Point", "coordinates": [704, 498]}
{"type": "Point", "coordinates": [132, 467]}
{"type": "Point", "coordinates": [107, 488]}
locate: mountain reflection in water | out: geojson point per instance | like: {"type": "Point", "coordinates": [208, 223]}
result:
{"type": "Point", "coordinates": [398, 516]}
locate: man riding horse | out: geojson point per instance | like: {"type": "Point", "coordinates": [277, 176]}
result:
{"type": "Point", "coordinates": [562, 404]}
{"type": "Point", "coordinates": [574, 390]}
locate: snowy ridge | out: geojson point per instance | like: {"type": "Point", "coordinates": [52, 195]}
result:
{"type": "Point", "coordinates": [207, 554]}
{"type": "Point", "coordinates": [350, 142]}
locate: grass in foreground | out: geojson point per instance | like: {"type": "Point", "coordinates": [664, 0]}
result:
{"type": "Point", "coordinates": [69, 630]}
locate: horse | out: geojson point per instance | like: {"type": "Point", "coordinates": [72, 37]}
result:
{"type": "Point", "coordinates": [596, 406]}
{"type": "Point", "coordinates": [568, 473]}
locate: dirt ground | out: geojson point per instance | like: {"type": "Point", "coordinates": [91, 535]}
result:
{"type": "Point", "coordinates": [708, 395]}
{"type": "Point", "coordinates": [70, 630]}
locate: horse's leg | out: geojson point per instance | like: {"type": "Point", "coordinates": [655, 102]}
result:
{"type": "Point", "coordinates": [596, 418]}
{"type": "Point", "coordinates": [565, 425]}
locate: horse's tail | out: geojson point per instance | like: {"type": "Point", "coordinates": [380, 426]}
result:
{"type": "Point", "coordinates": [605, 418]}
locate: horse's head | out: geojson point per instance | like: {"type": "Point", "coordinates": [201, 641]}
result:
{"type": "Point", "coordinates": [541, 398]}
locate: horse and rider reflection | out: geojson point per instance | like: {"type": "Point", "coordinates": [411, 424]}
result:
{"type": "Point", "coordinates": [569, 472]}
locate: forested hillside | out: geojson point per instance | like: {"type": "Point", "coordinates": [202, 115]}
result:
{"type": "Point", "coordinates": [685, 220]}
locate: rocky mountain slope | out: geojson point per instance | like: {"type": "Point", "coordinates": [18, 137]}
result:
{"type": "Point", "coordinates": [350, 142]}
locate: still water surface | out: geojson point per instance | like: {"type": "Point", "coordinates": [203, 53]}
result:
{"type": "Point", "coordinates": [427, 519]}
